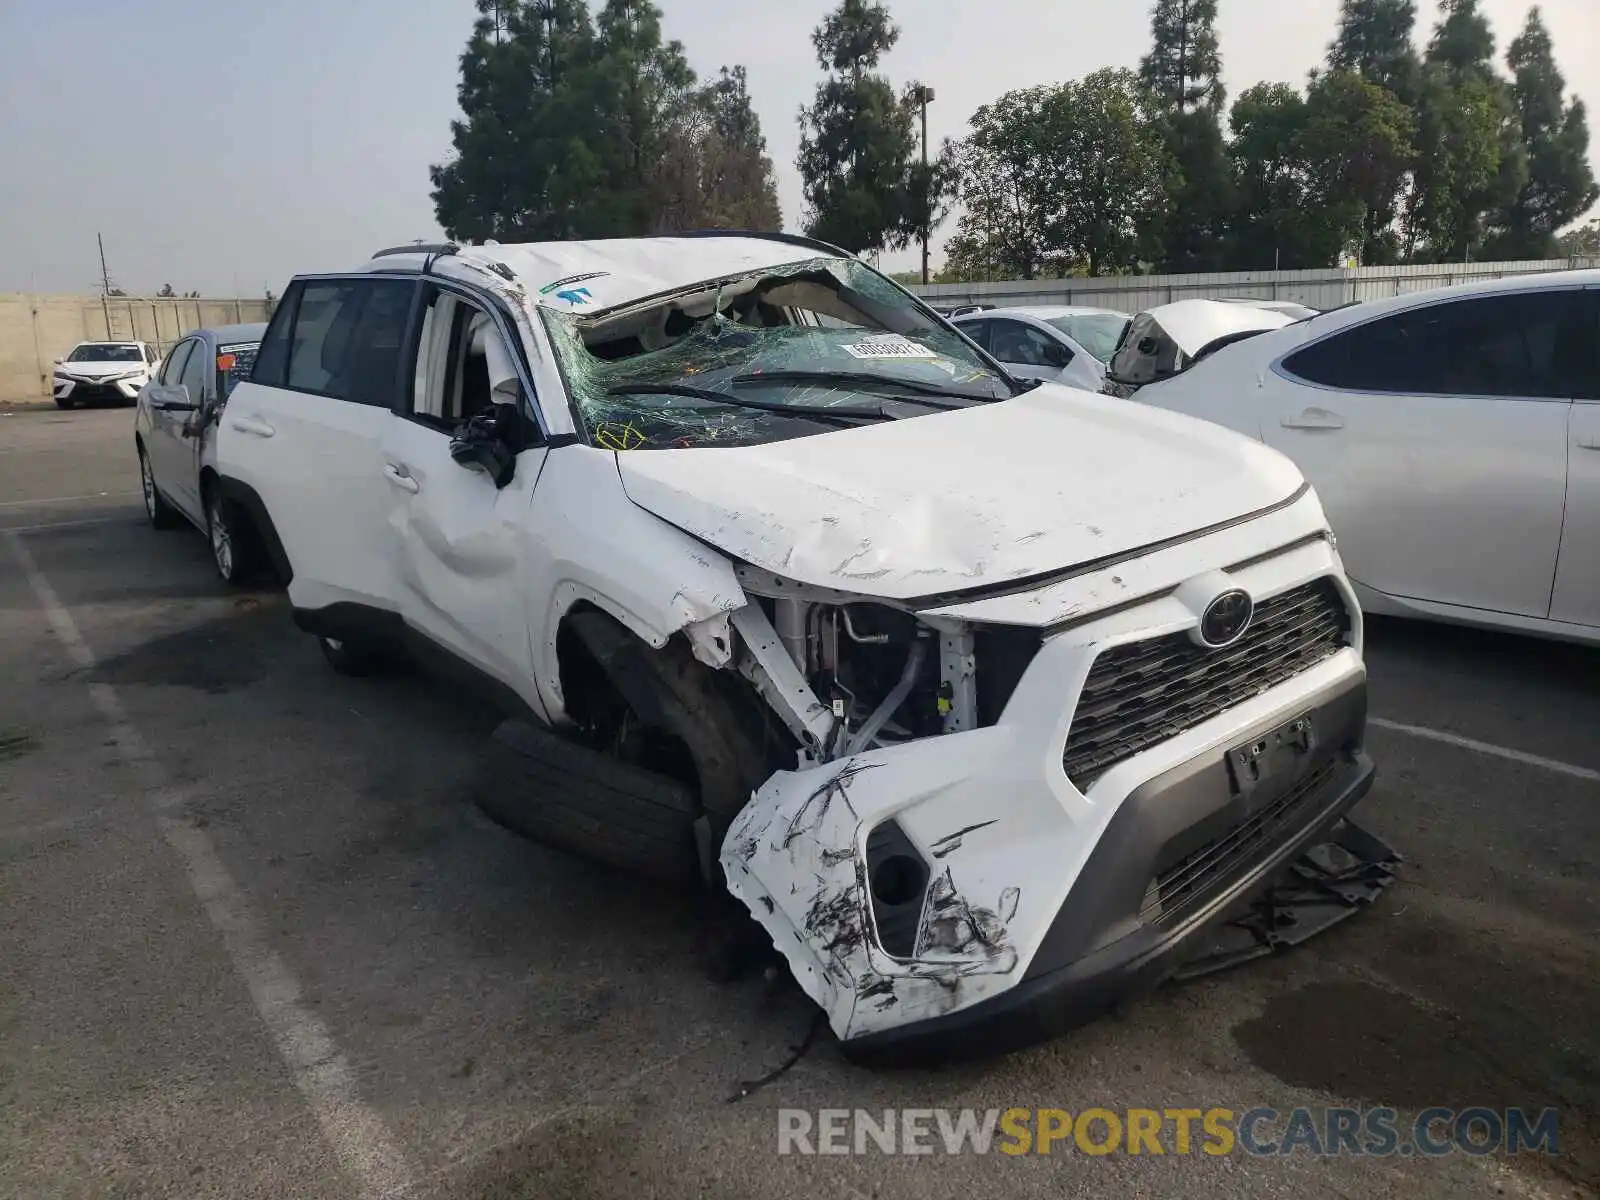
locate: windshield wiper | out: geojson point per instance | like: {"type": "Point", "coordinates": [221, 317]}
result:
{"type": "Point", "coordinates": [841, 416]}
{"type": "Point", "coordinates": [863, 379]}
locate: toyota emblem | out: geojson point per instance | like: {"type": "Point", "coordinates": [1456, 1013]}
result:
{"type": "Point", "coordinates": [1226, 618]}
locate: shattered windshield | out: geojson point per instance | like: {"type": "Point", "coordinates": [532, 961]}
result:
{"type": "Point", "coordinates": [780, 353]}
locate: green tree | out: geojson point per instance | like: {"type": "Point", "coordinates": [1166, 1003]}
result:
{"type": "Point", "coordinates": [1184, 66]}
{"type": "Point", "coordinates": [1462, 41]}
{"type": "Point", "coordinates": [1357, 147]}
{"type": "Point", "coordinates": [858, 160]}
{"type": "Point", "coordinates": [522, 169]}
{"type": "Point", "coordinates": [1011, 179]}
{"type": "Point", "coordinates": [1277, 223]}
{"type": "Point", "coordinates": [1059, 178]}
{"type": "Point", "coordinates": [713, 171]}
{"type": "Point", "coordinates": [166, 291]}
{"type": "Point", "coordinates": [1183, 73]}
{"type": "Point", "coordinates": [1470, 163]}
{"type": "Point", "coordinates": [646, 84]}
{"type": "Point", "coordinates": [1560, 183]}
{"type": "Point", "coordinates": [1374, 42]}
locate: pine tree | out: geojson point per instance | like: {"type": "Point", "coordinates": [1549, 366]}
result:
{"type": "Point", "coordinates": [1374, 41]}
{"type": "Point", "coordinates": [1469, 164]}
{"type": "Point", "coordinates": [1561, 185]}
{"type": "Point", "coordinates": [1184, 66]}
{"type": "Point", "coordinates": [1183, 73]}
{"type": "Point", "coordinates": [857, 138]}
{"type": "Point", "coordinates": [521, 169]}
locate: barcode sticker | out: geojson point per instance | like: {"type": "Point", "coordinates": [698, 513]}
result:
{"type": "Point", "coordinates": [890, 347]}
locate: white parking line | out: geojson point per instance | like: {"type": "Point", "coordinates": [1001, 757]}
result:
{"type": "Point", "coordinates": [362, 1142]}
{"type": "Point", "coordinates": [1466, 743]}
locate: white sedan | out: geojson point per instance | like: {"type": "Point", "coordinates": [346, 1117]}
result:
{"type": "Point", "coordinates": [1453, 436]}
{"type": "Point", "coordinates": [1069, 345]}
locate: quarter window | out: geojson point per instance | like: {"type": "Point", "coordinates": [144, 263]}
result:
{"type": "Point", "coordinates": [347, 339]}
{"type": "Point", "coordinates": [1487, 346]}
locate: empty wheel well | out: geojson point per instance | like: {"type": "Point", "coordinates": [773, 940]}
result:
{"type": "Point", "coordinates": [704, 727]}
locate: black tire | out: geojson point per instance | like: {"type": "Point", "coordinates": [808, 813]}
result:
{"type": "Point", "coordinates": [161, 514]}
{"type": "Point", "coordinates": [567, 796]}
{"type": "Point", "coordinates": [236, 552]}
{"type": "Point", "coordinates": [359, 659]}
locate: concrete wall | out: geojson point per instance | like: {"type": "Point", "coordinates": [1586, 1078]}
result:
{"type": "Point", "coordinates": [37, 330]}
{"type": "Point", "coordinates": [1319, 289]}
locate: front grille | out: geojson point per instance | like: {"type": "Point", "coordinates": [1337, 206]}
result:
{"type": "Point", "coordinates": [1143, 693]}
{"type": "Point", "coordinates": [1188, 883]}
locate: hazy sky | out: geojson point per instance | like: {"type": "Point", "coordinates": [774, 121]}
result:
{"type": "Point", "coordinates": [222, 144]}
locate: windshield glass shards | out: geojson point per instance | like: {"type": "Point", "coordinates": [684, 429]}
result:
{"type": "Point", "coordinates": [780, 353]}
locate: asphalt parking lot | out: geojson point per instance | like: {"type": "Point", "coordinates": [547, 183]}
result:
{"type": "Point", "coordinates": [256, 941]}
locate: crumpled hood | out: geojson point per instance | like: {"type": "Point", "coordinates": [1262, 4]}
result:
{"type": "Point", "coordinates": [963, 500]}
{"type": "Point", "coordinates": [99, 370]}
{"type": "Point", "coordinates": [1195, 324]}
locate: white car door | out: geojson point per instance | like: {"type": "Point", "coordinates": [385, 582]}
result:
{"type": "Point", "coordinates": [1437, 440]}
{"type": "Point", "coordinates": [1577, 592]}
{"type": "Point", "coordinates": [460, 536]}
{"type": "Point", "coordinates": [306, 432]}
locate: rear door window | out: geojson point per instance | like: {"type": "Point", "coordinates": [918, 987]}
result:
{"type": "Point", "coordinates": [234, 362]}
{"type": "Point", "coordinates": [1506, 346]}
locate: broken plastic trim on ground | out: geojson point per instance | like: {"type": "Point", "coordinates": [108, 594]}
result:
{"type": "Point", "coordinates": [703, 337]}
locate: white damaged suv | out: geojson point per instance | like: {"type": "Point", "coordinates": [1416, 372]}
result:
{"type": "Point", "coordinates": [992, 700]}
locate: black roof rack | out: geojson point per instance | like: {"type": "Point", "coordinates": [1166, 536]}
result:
{"type": "Point", "coordinates": [434, 249]}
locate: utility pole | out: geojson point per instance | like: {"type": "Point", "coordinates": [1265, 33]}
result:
{"type": "Point", "coordinates": [105, 285]}
{"type": "Point", "coordinates": [922, 95]}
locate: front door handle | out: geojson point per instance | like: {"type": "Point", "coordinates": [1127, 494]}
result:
{"type": "Point", "coordinates": [254, 426]}
{"type": "Point", "coordinates": [1314, 418]}
{"type": "Point", "coordinates": [401, 478]}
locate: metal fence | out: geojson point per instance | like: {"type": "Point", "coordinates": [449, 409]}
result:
{"type": "Point", "coordinates": [1319, 289]}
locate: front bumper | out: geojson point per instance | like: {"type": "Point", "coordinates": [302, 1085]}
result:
{"type": "Point", "coordinates": [924, 891]}
{"type": "Point", "coordinates": [1065, 988]}
{"type": "Point", "coordinates": [96, 392]}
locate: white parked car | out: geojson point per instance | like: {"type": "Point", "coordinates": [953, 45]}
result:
{"type": "Point", "coordinates": [989, 700]}
{"type": "Point", "coordinates": [1454, 437]}
{"type": "Point", "coordinates": [103, 373]}
{"type": "Point", "coordinates": [1058, 343]}
{"type": "Point", "coordinates": [174, 435]}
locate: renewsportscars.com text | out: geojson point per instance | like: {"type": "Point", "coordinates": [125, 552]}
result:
{"type": "Point", "coordinates": [1368, 1132]}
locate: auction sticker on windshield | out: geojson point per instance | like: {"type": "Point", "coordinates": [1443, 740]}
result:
{"type": "Point", "coordinates": [891, 347]}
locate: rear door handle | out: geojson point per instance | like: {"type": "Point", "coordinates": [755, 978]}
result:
{"type": "Point", "coordinates": [401, 478]}
{"type": "Point", "coordinates": [254, 426]}
{"type": "Point", "coordinates": [1589, 442]}
{"type": "Point", "coordinates": [1314, 418]}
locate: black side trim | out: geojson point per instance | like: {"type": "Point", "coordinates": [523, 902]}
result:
{"type": "Point", "coordinates": [1045, 578]}
{"type": "Point", "coordinates": [246, 498]}
{"type": "Point", "coordinates": [376, 626]}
